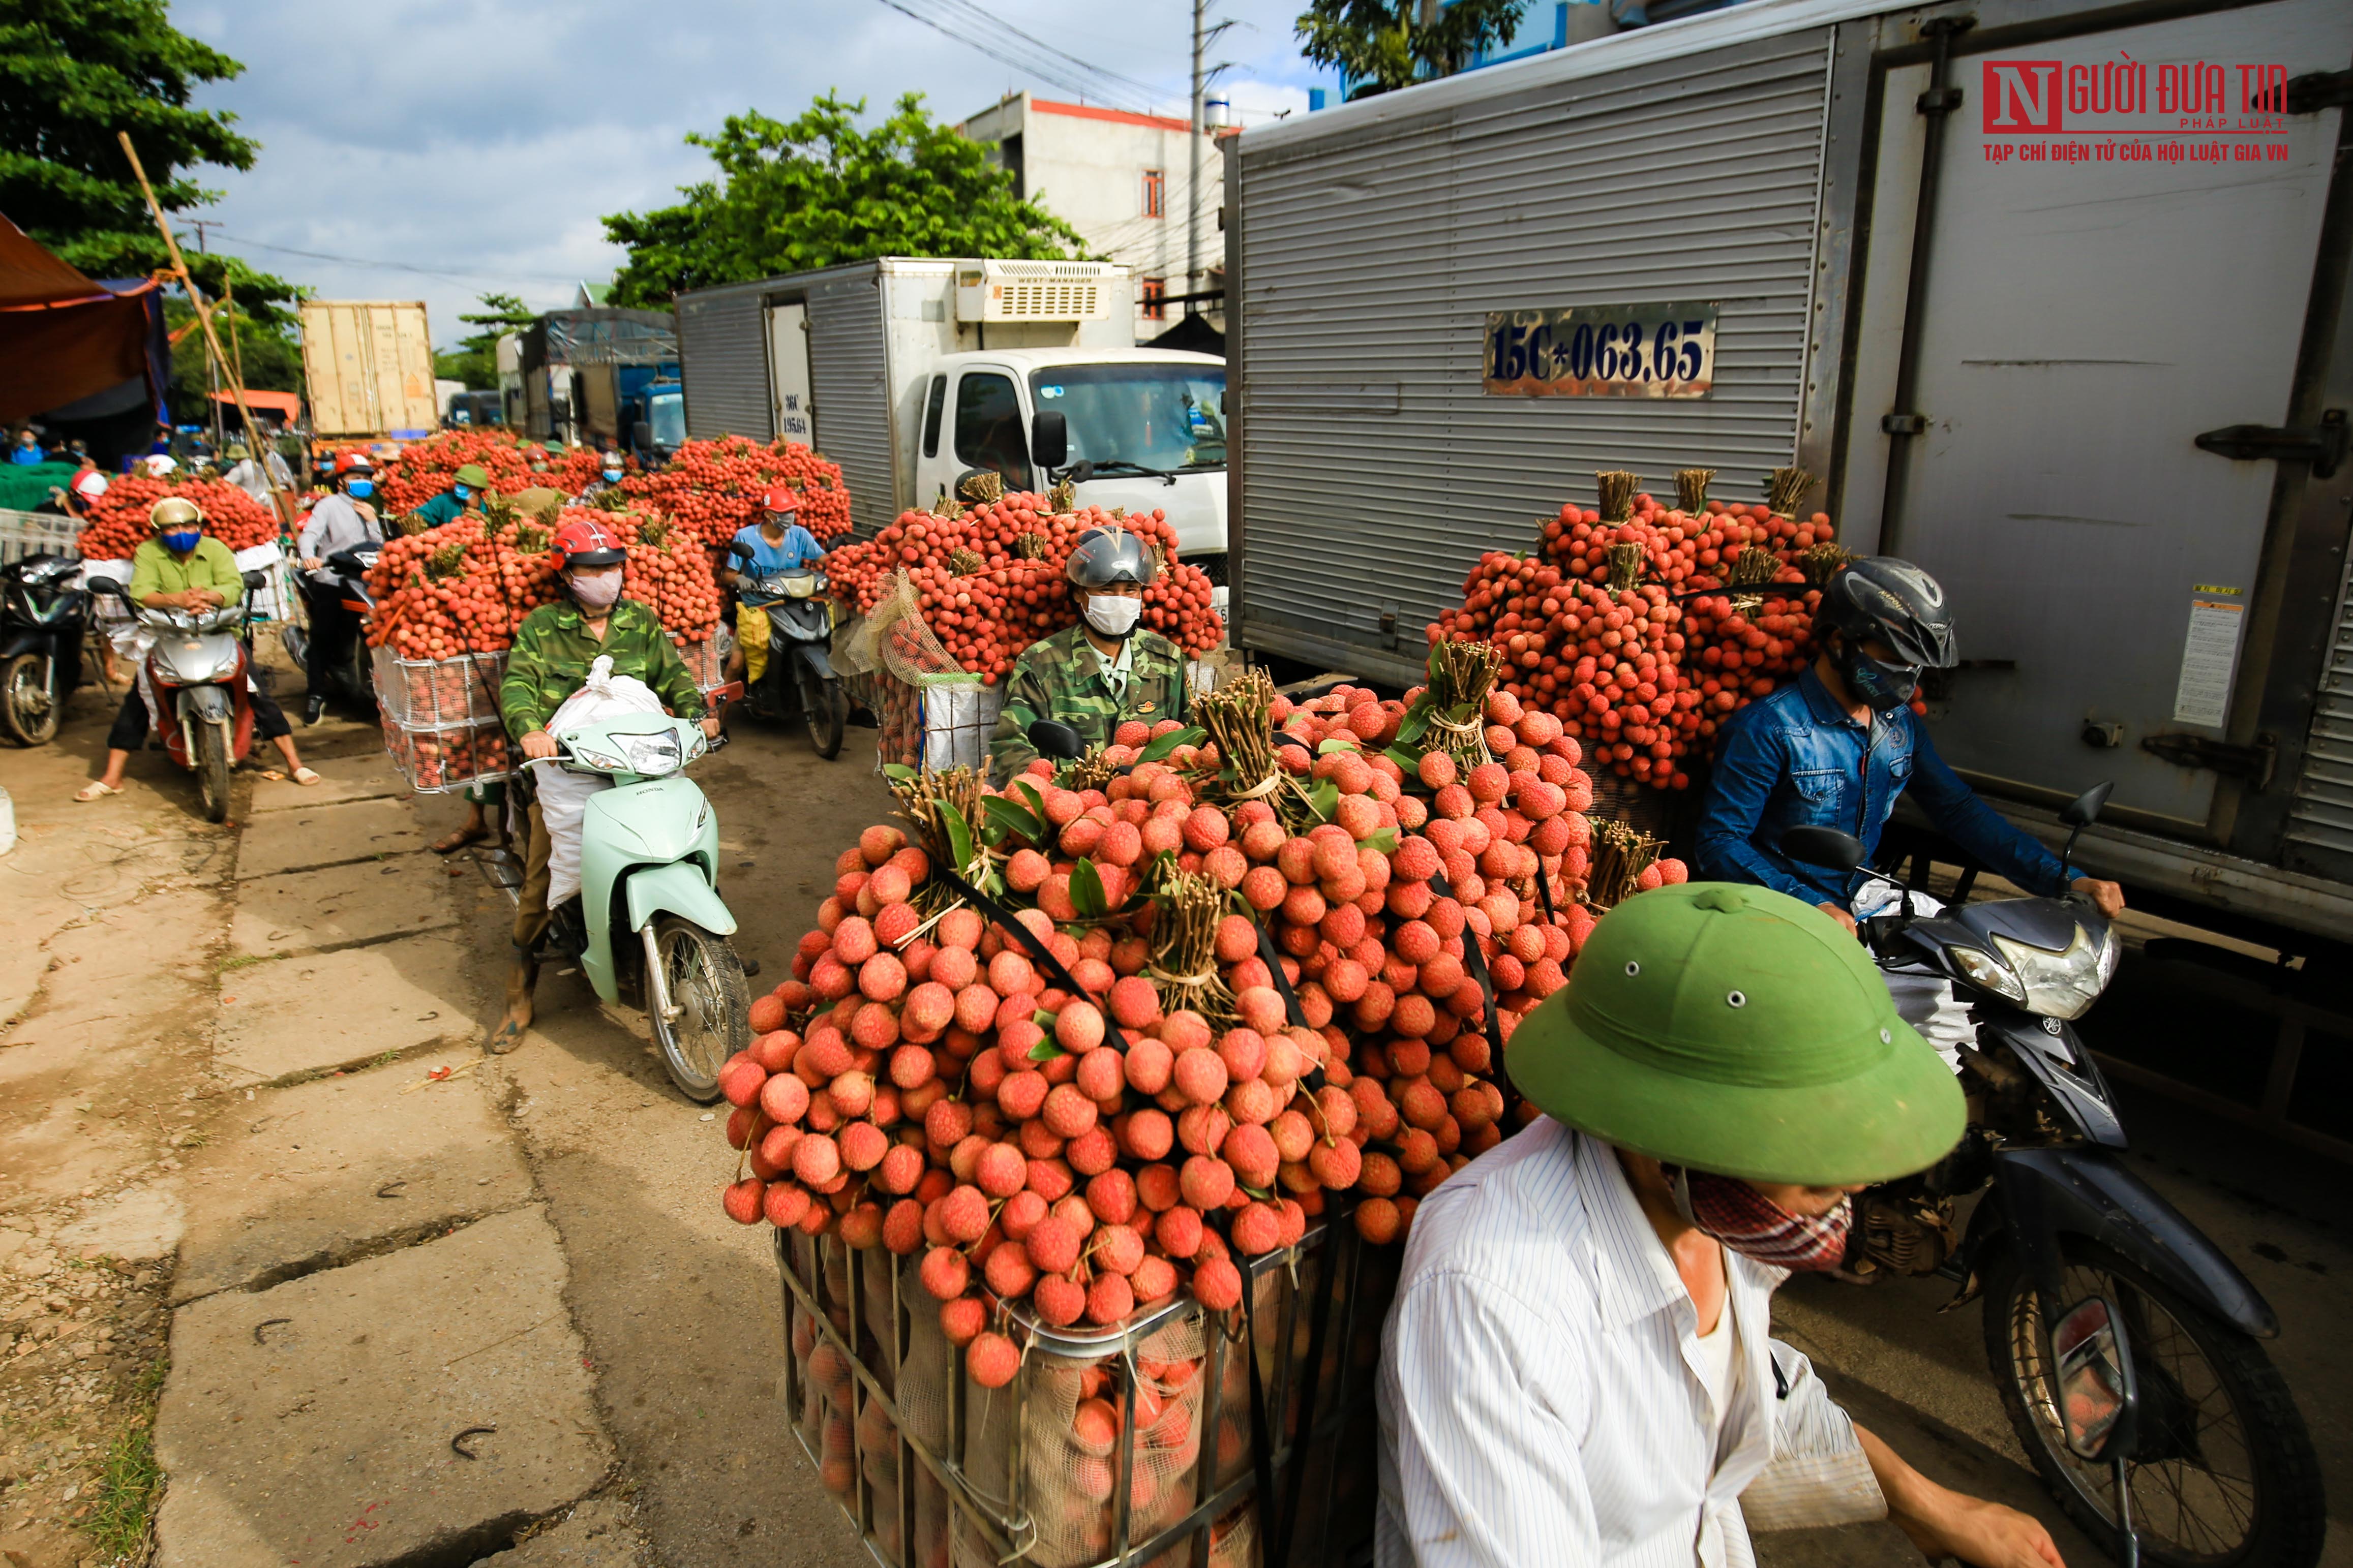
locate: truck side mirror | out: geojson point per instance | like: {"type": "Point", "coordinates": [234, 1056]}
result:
{"type": "Point", "coordinates": [641, 436]}
{"type": "Point", "coordinates": [1050, 438]}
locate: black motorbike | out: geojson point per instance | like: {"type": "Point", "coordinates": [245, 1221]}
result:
{"type": "Point", "coordinates": [799, 678]}
{"type": "Point", "coordinates": [2221, 1470]}
{"type": "Point", "coordinates": [44, 615]}
{"type": "Point", "coordinates": [351, 670]}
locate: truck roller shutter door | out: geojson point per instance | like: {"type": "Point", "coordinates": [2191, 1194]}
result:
{"type": "Point", "coordinates": [847, 376]}
{"type": "Point", "coordinates": [723, 364]}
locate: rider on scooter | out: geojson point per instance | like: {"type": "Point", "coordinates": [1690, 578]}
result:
{"type": "Point", "coordinates": [183, 568]}
{"type": "Point", "coordinates": [1836, 746]}
{"type": "Point", "coordinates": [553, 650]}
{"type": "Point", "coordinates": [778, 543]}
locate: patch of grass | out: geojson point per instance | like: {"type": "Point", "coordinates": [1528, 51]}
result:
{"type": "Point", "coordinates": [129, 1482]}
{"type": "Point", "coordinates": [385, 1061]}
{"type": "Point", "coordinates": [245, 960]}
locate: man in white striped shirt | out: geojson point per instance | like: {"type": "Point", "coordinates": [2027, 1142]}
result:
{"type": "Point", "coordinates": [1577, 1368]}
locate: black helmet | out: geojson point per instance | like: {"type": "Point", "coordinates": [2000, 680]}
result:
{"type": "Point", "coordinates": [1881, 599]}
{"type": "Point", "coordinates": [1107, 555]}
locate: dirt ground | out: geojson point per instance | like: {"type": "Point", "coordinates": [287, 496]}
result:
{"type": "Point", "coordinates": [219, 1109]}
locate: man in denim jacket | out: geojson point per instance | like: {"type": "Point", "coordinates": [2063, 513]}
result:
{"type": "Point", "coordinates": [1838, 745]}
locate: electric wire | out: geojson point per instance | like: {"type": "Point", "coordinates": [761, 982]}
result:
{"type": "Point", "coordinates": [400, 265]}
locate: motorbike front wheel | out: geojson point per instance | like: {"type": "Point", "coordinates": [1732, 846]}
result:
{"type": "Point", "coordinates": [28, 709]}
{"type": "Point", "coordinates": [711, 1006]}
{"type": "Point", "coordinates": [208, 752]}
{"type": "Point", "coordinates": [2223, 1475]}
{"type": "Point", "coordinates": [825, 707]}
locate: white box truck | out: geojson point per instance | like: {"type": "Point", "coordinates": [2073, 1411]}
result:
{"type": "Point", "coordinates": [2051, 292]}
{"type": "Point", "coordinates": [912, 374]}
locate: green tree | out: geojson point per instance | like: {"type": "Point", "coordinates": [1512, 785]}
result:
{"type": "Point", "coordinates": [819, 191]}
{"type": "Point", "coordinates": [73, 73]}
{"type": "Point", "coordinates": [269, 358]}
{"type": "Point", "coordinates": [475, 359]}
{"type": "Point", "coordinates": [1384, 45]}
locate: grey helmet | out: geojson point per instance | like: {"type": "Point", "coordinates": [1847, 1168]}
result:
{"type": "Point", "coordinates": [1884, 599]}
{"type": "Point", "coordinates": [1107, 555]}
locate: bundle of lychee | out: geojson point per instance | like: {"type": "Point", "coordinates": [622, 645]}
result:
{"type": "Point", "coordinates": [1641, 626]}
{"type": "Point", "coordinates": [465, 586]}
{"type": "Point", "coordinates": [718, 487]}
{"type": "Point", "coordinates": [989, 578]}
{"type": "Point", "coordinates": [118, 520]}
{"type": "Point", "coordinates": [427, 468]}
{"type": "Point", "coordinates": [1265, 992]}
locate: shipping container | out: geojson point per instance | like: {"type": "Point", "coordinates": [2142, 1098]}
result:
{"type": "Point", "coordinates": [368, 364]}
{"type": "Point", "coordinates": [912, 372]}
{"type": "Point", "coordinates": [2047, 291]}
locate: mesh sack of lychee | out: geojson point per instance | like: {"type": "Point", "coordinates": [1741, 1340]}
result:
{"type": "Point", "coordinates": [1095, 1135]}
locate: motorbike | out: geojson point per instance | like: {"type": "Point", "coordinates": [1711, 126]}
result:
{"type": "Point", "coordinates": [650, 929]}
{"type": "Point", "coordinates": [800, 676]}
{"type": "Point", "coordinates": [43, 619]}
{"type": "Point", "coordinates": [199, 669]}
{"type": "Point", "coordinates": [349, 669]}
{"type": "Point", "coordinates": [2221, 1469]}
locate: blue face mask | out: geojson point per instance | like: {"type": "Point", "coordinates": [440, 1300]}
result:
{"type": "Point", "coordinates": [179, 541]}
{"type": "Point", "coordinates": [1881, 685]}
{"type": "Point", "coordinates": [612, 475]}
{"type": "Point", "coordinates": [463, 492]}
{"type": "Point", "coordinates": [361, 488]}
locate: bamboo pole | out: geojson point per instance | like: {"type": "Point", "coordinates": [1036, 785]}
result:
{"type": "Point", "coordinates": [283, 501]}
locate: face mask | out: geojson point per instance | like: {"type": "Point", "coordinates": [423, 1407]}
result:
{"type": "Point", "coordinates": [612, 475]}
{"type": "Point", "coordinates": [361, 488]}
{"type": "Point", "coordinates": [180, 541]}
{"type": "Point", "coordinates": [1757, 1227]}
{"type": "Point", "coordinates": [596, 593]}
{"type": "Point", "coordinates": [1878, 683]}
{"type": "Point", "coordinates": [462, 492]}
{"type": "Point", "coordinates": [1115, 617]}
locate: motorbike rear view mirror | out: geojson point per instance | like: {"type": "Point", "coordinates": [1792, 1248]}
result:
{"type": "Point", "coordinates": [2092, 1374]}
{"type": "Point", "coordinates": [1055, 739]}
{"type": "Point", "coordinates": [105, 585]}
{"type": "Point", "coordinates": [1050, 438]}
{"type": "Point", "coordinates": [740, 551]}
{"type": "Point", "coordinates": [2080, 812]}
{"type": "Point", "coordinates": [1823, 847]}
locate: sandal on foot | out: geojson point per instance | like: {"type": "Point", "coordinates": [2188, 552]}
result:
{"type": "Point", "coordinates": [305, 776]}
{"type": "Point", "coordinates": [97, 789]}
{"type": "Point", "coordinates": [458, 840]}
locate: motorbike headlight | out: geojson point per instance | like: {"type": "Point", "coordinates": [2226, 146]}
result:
{"type": "Point", "coordinates": [597, 759]}
{"type": "Point", "coordinates": [652, 755]}
{"type": "Point", "coordinates": [1981, 968]}
{"type": "Point", "coordinates": [2058, 985]}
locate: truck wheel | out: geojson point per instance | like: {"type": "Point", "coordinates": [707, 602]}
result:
{"type": "Point", "coordinates": [208, 751]}
{"type": "Point", "coordinates": [29, 710]}
{"type": "Point", "coordinates": [711, 1006]}
{"type": "Point", "coordinates": [2224, 1475]}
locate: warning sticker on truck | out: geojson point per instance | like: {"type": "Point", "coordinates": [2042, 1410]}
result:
{"type": "Point", "coordinates": [2209, 659]}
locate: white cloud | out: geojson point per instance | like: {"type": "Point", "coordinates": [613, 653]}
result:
{"type": "Point", "coordinates": [482, 142]}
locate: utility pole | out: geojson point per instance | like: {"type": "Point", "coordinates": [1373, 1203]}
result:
{"type": "Point", "coordinates": [212, 365]}
{"type": "Point", "coordinates": [1193, 181]}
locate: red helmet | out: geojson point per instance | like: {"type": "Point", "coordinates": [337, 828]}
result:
{"type": "Point", "coordinates": [346, 461]}
{"type": "Point", "coordinates": [586, 543]}
{"type": "Point", "coordinates": [782, 497]}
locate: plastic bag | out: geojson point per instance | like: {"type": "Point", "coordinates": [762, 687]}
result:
{"type": "Point", "coordinates": [563, 794]}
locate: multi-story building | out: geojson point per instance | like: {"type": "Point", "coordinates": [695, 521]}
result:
{"type": "Point", "coordinates": [1123, 182]}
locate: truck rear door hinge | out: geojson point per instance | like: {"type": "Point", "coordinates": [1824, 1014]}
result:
{"type": "Point", "coordinates": [1903, 424]}
{"type": "Point", "coordinates": [2253, 762]}
{"type": "Point", "coordinates": [2321, 89]}
{"type": "Point", "coordinates": [2322, 445]}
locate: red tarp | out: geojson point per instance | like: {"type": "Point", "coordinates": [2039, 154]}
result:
{"type": "Point", "coordinates": [62, 336]}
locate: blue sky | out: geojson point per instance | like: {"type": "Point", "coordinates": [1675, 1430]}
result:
{"type": "Point", "coordinates": [479, 143]}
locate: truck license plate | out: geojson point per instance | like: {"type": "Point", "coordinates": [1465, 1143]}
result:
{"type": "Point", "coordinates": [1602, 351]}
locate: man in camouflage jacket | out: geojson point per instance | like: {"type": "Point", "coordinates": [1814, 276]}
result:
{"type": "Point", "coordinates": [1101, 673]}
{"type": "Point", "coordinates": [553, 650]}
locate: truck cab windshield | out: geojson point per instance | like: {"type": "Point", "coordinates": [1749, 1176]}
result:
{"type": "Point", "coordinates": [1168, 417]}
{"type": "Point", "coordinates": [666, 412]}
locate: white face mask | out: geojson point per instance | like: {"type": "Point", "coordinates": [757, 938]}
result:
{"type": "Point", "coordinates": [595, 590]}
{"type": "Point", "coordinates": [1111, 616]}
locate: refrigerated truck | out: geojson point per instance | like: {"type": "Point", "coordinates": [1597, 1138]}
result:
{"type": "Point", "coordinates": [367, 366]}
{"type": "Point", "coordinates": [911, 373]}
{"type": "Point", "coordinates": [2050, 292]}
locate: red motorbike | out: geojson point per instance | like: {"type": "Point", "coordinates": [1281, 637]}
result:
{"type": "Point", "coordinates": [198, 669]}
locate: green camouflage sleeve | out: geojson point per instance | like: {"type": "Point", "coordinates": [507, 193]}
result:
{"type": "Point", "coordinates": [667, 673]}
{"type": "Point", "coordinates": [1025, 700]}
{"type": "Point", "coordinates": [522, 697]}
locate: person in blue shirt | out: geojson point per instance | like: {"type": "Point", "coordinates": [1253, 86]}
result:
{"type": "Point", "coordinates": [1836, 747]}
{"type": "Point", "coordinates": [28, 448]}
{"type": "Point", "coordinates": [778, 543]}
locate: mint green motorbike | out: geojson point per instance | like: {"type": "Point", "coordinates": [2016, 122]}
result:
{"type": "Point", "coordinates": [651, 931]}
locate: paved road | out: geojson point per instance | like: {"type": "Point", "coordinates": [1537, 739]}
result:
{"type": "Point", "coordinates": [535, 1244]}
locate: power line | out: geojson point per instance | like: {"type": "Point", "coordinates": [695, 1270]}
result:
{"type": "Point", "coordinates": [988, 19]}
{"type": "Point", "coordinates": [399, 266]}
{"type": "Point", "coordinates": [1053, 75]}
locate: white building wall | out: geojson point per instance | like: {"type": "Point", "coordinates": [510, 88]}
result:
{"type": "Point", "coordinates": [1086, 166]}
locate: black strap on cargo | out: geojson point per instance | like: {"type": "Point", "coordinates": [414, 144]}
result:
{"type": "Point", "coordinates": [1295, 1484]}
{"type": "Point", "coordinates": [1492, 1029]}
{"type": "Point", "coordinates": [1035, 943]}
{"type": "Point", "coordinates": [1272, 957]}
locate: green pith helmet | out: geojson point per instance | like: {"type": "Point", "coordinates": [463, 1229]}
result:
{"type": "Point", "coordinates": [1736, 1030]}
{"type": "Point", "coordinates": [472, 474]}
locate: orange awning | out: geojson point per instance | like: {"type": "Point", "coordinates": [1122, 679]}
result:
{"type": "Point", "coordinates": [287, 405]}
